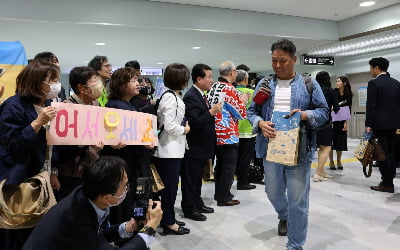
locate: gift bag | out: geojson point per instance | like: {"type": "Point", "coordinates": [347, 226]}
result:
{"type": "Point", "coordinates": [208, 171]}
{"type": "Point", "coordinates": [24, 206]}
{"type": "Point", "coordinates": [283, 148]}
{"type": "Point", "coordinates": [368, 150]}
{"type": "Point", "coordinates": [361, 149]}
{"type": "Point", "coordinates": [158, 184]}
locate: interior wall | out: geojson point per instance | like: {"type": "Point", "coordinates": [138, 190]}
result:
{"type": "Point", "coordinates": [357, 123]}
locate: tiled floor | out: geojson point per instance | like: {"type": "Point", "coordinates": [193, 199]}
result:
{"type": "Point", "coordinates": [344, 214]}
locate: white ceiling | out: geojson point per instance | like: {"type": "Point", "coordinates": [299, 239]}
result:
{"type": "Point", "coordinates": [45, 25]}
{"type": "Point", "coordinates": [335, 10]}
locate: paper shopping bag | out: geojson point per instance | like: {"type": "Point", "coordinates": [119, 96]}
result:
{"type": "Point", "coordinates": [284, 147]}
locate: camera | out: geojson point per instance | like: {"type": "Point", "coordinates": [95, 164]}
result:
{"type": "Point", "coordinates": [143, 194]}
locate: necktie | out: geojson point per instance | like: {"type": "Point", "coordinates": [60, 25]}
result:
{"type": "Point", "coordinates": [206, 101]}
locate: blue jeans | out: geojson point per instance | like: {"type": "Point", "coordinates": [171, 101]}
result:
{"type": "Point", "coordinates": [288, 189]}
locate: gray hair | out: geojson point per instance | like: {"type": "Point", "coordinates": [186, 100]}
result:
{"type": "Point", "coordinates": [241, 75]}
{"type": "Point", "coordinates": [226, 68]}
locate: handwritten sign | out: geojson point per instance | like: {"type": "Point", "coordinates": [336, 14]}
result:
{"type": "Point", "coordinates": [77, 124]}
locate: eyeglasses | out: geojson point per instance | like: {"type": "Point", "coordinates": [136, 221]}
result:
{"type": "Point", "coordinates": [107, 65]}
{"type": "Point", "coordinates": [124, 193]}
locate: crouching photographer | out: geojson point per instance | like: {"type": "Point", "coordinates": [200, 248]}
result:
{"type": "Point", "coordinates": [80, 221]}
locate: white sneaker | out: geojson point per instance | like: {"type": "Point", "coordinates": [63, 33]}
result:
{"type": "Point", "coordinates": [326, 175]}
{"type": "Point", "coordinates": [317, 178]}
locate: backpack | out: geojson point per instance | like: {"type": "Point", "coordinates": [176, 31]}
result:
{"type": "Point", "coordinates": [152, 108]}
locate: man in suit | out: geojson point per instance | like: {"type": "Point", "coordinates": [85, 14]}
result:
{"type": "Point", "coordinates": [382, 117]}
{"type": "Point", "coordinates": [201, 141]}
{"type": "Point", "coordinates": [80, 221]}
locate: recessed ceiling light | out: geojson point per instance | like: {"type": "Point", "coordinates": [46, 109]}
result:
{"type": "Point", "coordinates": [367, 3]}
{"type": "Point", "coordinates": [100, 44]}
{"type": "Point", "coordinates": [196, 47]}
{"type": "Point", "coordinates": [160, 63]}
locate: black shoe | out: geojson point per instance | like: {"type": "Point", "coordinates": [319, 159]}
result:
{"type": "Point", "coordinates": [195, 216]}
{"type": "Point", "coordinates": [180, 223]}
{"type": "Point", "coordinates": [181, 230]}
{"type": "Point", "coordinates": [246, 187]}
{"type": "Point", "coordinates": [282, 227]}
{"type": "Point", "coordinates": [205, 210]}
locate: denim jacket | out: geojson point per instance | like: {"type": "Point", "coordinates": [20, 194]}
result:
{"type": "Point", "coordinates": [300, 99]}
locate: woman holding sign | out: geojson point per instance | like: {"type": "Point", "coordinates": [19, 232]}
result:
{"type": "Point", "coordinates": [345, 96]}
{"type": "Point", "coordinates": [122, 87]}
{"type": "Point", "coordinates": [172, 142]}
{"type": "Point", "coordinates": [23, 136]}
{"type": "Point", "coordinates": [72, 159]}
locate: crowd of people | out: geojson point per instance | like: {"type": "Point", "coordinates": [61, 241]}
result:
{"type": "Point", "coordinates": [95, 185]}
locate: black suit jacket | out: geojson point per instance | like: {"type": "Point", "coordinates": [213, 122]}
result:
{"type": "Point", "coordinates": [383, 103]}
{"type": "Point", "coordinates": [201, 138]}
{"type": "Point", "coordinates": [73, 224]}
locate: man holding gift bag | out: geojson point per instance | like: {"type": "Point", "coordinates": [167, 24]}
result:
{"type": "Point", "coordinates": [287, 187]}
{"type": "Point", "coordinates": [382, 117]}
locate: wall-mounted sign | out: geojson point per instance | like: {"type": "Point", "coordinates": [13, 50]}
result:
{"type": "Point", "coordinates": [362, 96]}
{"type": "Point", "coordinates": [148, 71]}
{"type": "Point", "coordinates": [318, 60]}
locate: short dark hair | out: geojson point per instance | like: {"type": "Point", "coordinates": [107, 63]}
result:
{"type": "Point", "coordinates": [176, 76]}
{"type": "Point", "coordinates": [198, 70]}
{"type": "Point", "coordinates": [133, 64]}
{"type": "Point", "coordinates": [103, 176]}
{"type": "Point", "coordinates": [243, 67]}
{"type": "Point", "coordinates": [80, 75]}
{"type": "Point", "coordinates": [382, 63]}
{"type": "Point", "coordinates": [97, 62]}
{"type": "Point", "coordinates": [46, 56]}
{"type": "Point", "coordinates": [119, 81]}
{"type": "Point", "coordinates": [30, 80]}
{"type": "Point", "coordinates": [286, 45]}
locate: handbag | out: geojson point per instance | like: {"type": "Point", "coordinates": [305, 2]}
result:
{"type": "Point", "coordinates": [368, 150]}
{"type": "Point", "coordinates": [27, 203]}
{"type": "Point", "coordinates": [158, 184]}
{"type": "Point", "coordinates": [208, 171]}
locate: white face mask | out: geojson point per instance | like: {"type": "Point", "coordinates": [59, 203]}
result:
{"type": "Point", "coordinates": [97, 90]}
{"type": "Point", "coordinates": [55, 89]}
{"type": "Point", "coordinates": [120, 198]}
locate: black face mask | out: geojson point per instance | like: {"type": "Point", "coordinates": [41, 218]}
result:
{"type": "Point", "coordinates": [144, 90]}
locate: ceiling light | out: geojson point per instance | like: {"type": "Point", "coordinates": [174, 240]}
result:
{"type": "Point", "coordinates": [367, 3]}
{"type": "Point", "coordinates": [160, 63]}
{"type": "Point", "coordinates": [196, 47]}
{"type": "Point", "coordinates": [100, 44]}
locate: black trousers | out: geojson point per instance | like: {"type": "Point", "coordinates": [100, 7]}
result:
{"type": "Point", "coordinates": [168, 169]}
{"type": "Point", "coordinates": [387, 167]}
{"type": "Point", "coordinates": [246, 153]}
{"type": "Point", "coordinates": [191, 182]}
{"type": "Point", "coordinates": [224, 171]}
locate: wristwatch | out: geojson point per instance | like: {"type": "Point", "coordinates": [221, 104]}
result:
{"type": "Point", "coordinates": [148, 230]}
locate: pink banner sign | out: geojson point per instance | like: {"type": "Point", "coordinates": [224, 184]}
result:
{"type": "Point", "coordinates": [77, 124]}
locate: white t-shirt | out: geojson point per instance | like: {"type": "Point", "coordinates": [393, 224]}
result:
{"type": "Point", "coordinates": [282, 95]}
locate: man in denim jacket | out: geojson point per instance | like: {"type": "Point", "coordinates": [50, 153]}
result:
{"type": "Point", "coordinates": [287, 187]}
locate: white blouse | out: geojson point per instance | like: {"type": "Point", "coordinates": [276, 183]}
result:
{"type": "Point", "coordinates": [172, 141]}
